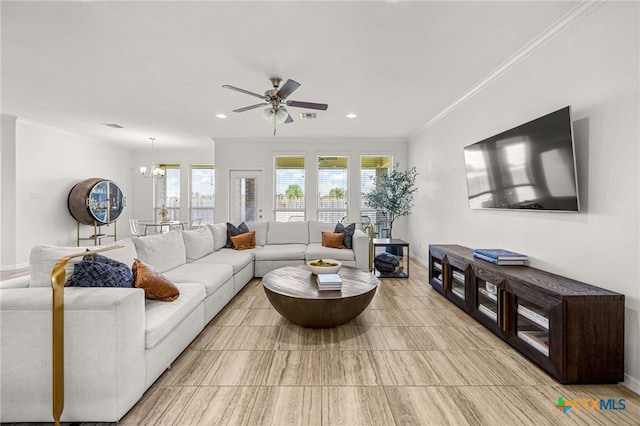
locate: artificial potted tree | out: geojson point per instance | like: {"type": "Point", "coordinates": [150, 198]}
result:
{"type": "Point", "coordinates": [392, 197]}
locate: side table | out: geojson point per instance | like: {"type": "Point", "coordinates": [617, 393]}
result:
{"type": "Point", "coordinates": [393, 242]}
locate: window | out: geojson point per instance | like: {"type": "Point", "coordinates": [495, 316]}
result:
{"type": "Point", "coordinates": [289, 194]}
{"type": "Point", "coordinates": [332, 188]}
{"type": "Point", "coordinates": [203, 199]}
{"type": "Point", "coordinates": [168, 191]}
{"type": "Point", "coordinates": [371, 168]}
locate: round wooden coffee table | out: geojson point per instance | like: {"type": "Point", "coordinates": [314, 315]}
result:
{"type": "Point", "coordinates": [294, 293]}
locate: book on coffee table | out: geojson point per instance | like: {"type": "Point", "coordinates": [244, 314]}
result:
{"type": "Point", "coordinates": [329, 282]}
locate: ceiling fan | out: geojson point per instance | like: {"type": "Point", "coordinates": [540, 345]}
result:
{"type": "Point", "coordinates": [277, 99]}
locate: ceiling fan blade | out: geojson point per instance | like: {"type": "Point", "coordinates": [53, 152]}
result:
{"type": "Point", "coordinates": [247, 108]}
{"type": "Point", "coordinates": [288, 88]}
{"type": "Point", "coordinates": [288, 119]}
{"type": "Point", "coordinates": [237, 89]}
{"type": "Point", "coordinates": [309, 105]}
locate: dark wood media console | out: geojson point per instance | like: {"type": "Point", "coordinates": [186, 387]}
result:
{"type": "Point", "coordinates": [572, 330]}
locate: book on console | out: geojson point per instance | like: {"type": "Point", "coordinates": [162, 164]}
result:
{"type": "Point", "coordinates": [501, 254]}
{"type": "Point", "coordinates": [499, 261]}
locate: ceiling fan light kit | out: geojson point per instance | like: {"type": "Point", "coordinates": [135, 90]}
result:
{"type": "Point", "coordinates": [277, 98]}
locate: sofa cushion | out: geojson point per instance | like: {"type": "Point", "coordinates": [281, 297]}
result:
{"type": "Point", "coordinates": [237, 259]}
{"type": "Point", "coordinates": [348, 233]}
{"type": "Point", "coordinates": [197, 243]}
{"type": "Point", "coordinates": [317, 228]}
{"type": "Point", "coordinates": [219, 231]}
{"type": "Point", "coordinates": [43, 258]}
{"type": "Point", "coordinates": [233, 230]}
{"type": "Point", "coordinates": [162, 251]}
{"type": "Point", "coordinates": [99, 271]}
{"type": "Point", "coordinates": [333, 240]}
{"type": "Point", "coordinates": [155, 285]}
{"type": "Point", "coordinates": [212, 277]}
{"type": "Point", "coordinates": [261, 229]}
{"type": "Point", "coordinates": [288, 233]}
{"type": "Point", "coordinates": [244, 241]}
{"type": "Point", "coordinates": [282, 251]}
{"type": "Point", "coordinates": [317, 251]}
{"type": "Point", "coordinates": [162, 318]}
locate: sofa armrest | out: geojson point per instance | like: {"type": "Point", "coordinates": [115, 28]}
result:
{"type": "Point", "coordinates": [104, 350]}
{"type": "Point", "coordinates": [361, 249]}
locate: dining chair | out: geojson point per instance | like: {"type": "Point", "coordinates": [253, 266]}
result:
{"type": "Point", "coordinates": [133, 226]}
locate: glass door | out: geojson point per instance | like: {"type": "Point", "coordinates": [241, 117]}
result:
{"type": "Point", "coordinates": [245, 195]}
{"type": "Point", "coordinates": [532, 325]}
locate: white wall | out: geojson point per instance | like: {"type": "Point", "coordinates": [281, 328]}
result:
{"type": "Point", "coordinates": [259, 154]}
{"type": "Point", "coordinates": [592, 66]}
{"type": "Point", "coordinates": [48, 163]}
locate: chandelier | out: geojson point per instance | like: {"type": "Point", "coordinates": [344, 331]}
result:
{"type": "Point", "coordinates": [154, 172]}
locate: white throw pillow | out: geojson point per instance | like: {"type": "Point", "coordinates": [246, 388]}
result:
{"type": "Point", "coordinates": [219, 231]}
{"type": "Point", "coordinates": [317, 228]}
{"type": "Point", "coordinates": [197, 243]}
{"type": "Point", "coordinates": [288, 233]}
{"type": "Point", "coordinates": [44, 257]}
{"type": "Point", "coordinates": [162, 251]}
{"type": "Point", "coordinates": [261, 231]}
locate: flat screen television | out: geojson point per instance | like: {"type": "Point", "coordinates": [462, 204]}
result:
{"type": "Point", "coordinates": [530, 167]}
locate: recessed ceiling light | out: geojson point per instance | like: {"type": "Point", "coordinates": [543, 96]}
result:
{"type": "Point", "coordinates": [221, 116]}
{"type": "Point", "coordinates": [352, 115]}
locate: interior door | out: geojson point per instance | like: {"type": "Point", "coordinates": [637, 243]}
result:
{"type": "Point", "coordinates": [245, 195]}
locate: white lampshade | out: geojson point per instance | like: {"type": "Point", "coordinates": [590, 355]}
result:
{"type": "Point", "coordinates": [280, 115]}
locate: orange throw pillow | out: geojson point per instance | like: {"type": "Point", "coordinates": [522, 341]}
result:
{"type": "Point", "coordinates": [333, 239]}
{"type": "Point", "coordinates": [156, 286]}
{"type": "Point", "coordinates": [244, 241]}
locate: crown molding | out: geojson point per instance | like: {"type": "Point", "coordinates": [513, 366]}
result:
{"type": "Point", "coordinates": [572, 17]}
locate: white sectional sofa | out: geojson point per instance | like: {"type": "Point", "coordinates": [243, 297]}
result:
{"type": "Point", "coordinates": [117, 343]}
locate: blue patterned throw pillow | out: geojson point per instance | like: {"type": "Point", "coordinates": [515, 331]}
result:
{"type": "Point", "coordinates": [348, 233]}
{"type": "Point", "coordinates": [232, 231]}
{"type": "Point", "coordinates": [100, 271]}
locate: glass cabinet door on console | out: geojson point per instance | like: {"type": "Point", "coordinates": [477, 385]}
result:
{"type": "Point", "coordinates": [436, 273]}
{"type": "Point", "coordinates": [532, 325]}
{"type": "Point", "coordinates": [491, 302]}
{"type": "Point", "coordinates": [537, 329]}
{"type": "Point", "coordinates": [455, 282]}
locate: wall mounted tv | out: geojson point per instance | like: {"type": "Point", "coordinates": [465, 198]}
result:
{"type": "Point", "coordinates": [530, 167]}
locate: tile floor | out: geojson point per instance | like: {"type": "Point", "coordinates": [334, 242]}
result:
{"type": "Point", "coordinates": [412, 358]}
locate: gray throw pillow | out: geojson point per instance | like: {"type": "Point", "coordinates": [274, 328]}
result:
{"type": "Point", "coordinates": [232, 231]}
{"type": "Point", "coordinates": [348, 234]}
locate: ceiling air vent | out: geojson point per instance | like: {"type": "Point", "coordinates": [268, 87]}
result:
{"type": "Point", "coordinates": [308, 115]}
{"type": "Point", "coordinates": [113, 125]}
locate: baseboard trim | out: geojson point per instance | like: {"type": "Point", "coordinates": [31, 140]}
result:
{"type": "Point", "coordinates": [631, 383]}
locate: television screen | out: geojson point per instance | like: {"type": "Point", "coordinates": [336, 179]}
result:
{"type": "Point", "coordinates": [530, 167]}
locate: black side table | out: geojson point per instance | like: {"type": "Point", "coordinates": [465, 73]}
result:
{"type": "Point", "coordinates": [393, 242]}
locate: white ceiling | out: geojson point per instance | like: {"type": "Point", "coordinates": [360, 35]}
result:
{"type": "Point", "coordinates": [157, 68]}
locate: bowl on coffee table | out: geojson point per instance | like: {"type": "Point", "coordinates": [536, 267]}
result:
{"type": "Point", "coordinates": [324, 266]}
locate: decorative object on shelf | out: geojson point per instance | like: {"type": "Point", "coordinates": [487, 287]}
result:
{"type": "Point", "coordinates": [164, 214]}
{"type": "Point", "coordinates": [58, 277]}
{"type": "Point", "coordinates": [154, 172]}
{"type": "Point", "coordinates": [392, 195]}
{"type": "Point", "coordinates": [96, 202]}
